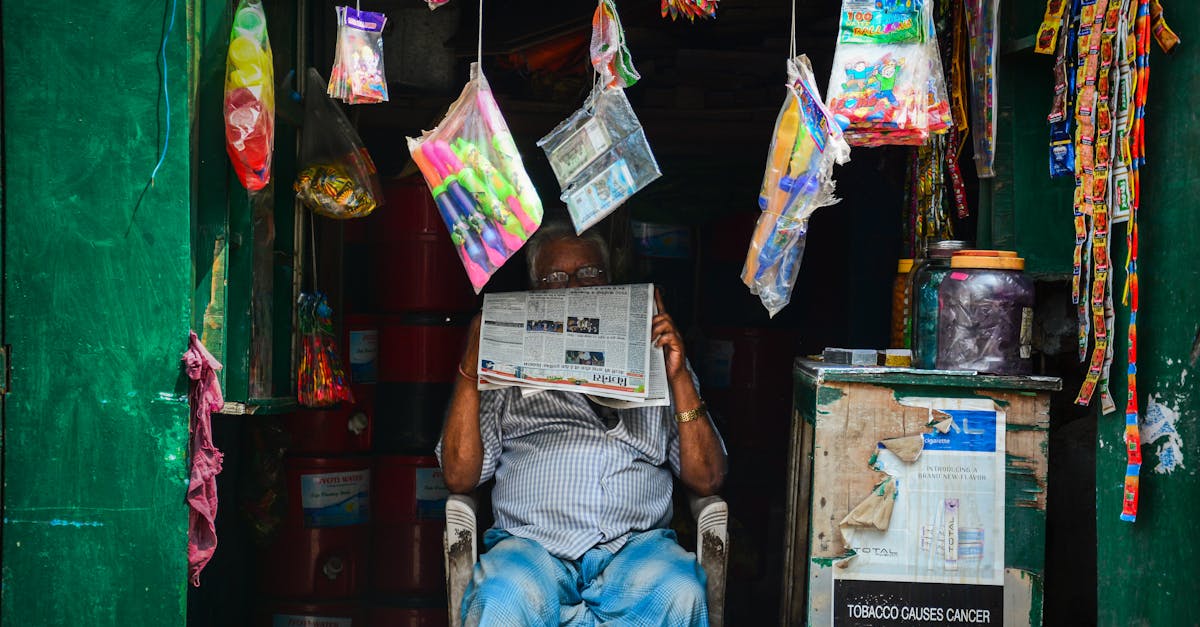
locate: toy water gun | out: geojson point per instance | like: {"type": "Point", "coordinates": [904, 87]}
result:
{"type": "Point", "coordinates": [470, 249]}
{"type": "Point", "coordinates": [467, 210]}
{"type": "Point", "coordinates": [512, 233]}
{"type": "Point", "coordinates": [771, 198]}
{"type": "Point", "coordinates": [472, 157]}
{"type": "Point", "coordinates": [250, 97]}
{"type": "Point", "coordinates": [506, 151]}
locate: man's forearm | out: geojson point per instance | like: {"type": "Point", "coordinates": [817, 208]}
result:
{"type": "Point", "coordinates": [701, 457]}
{"type": "Point", "coordinates": [462, 445]}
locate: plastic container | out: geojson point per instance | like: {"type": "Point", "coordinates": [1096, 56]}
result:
{"type": "Point", "coordinates": [902, 306]}
{"type": "Point", "coordinates": [409, 522]}
{"type": "Point", "coordinates": [414, 264]}
{"type": "Point", "coordinates": [335, 431]}
{"type": "Point", "coordinates": [300, 614]}
{"type": "Point", "coordinates": [926, 277]}
{"type": "Point", "coordinates": [315, 563]}
{"type": "Point", "coordinates": [416, 612]}
{"type": "Point", "coordinates": [985, 315]}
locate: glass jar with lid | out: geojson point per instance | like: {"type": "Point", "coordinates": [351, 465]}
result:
{"type": "Point", "coordinates": [985, 314]}
{"type": "Point", "coordinates": [926, 277]}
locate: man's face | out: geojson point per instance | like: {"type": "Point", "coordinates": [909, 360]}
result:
{"type": "Point", "coordinates": [568, 255]}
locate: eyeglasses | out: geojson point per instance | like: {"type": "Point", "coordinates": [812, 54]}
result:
{"type": "Point", "coordinates": [587, 275]}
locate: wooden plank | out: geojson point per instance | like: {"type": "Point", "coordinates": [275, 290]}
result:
{"type": "Point", "coordinates": [98, 307]}
{"type": "Point", "coordinates": [817, 372]}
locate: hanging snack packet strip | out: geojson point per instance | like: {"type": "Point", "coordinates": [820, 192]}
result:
{"type": "Point", "coordinates": [320, 379]}
{"type": "Point", "coordinates": [358, 76]}
{"type": "Point", "coordinates": [610, 55]}
{"type": "Point", "coordinates": [337, 177]}
{"type": "Point", "coordinates": [888, 86]}
{"type": "Point", "coordinates": [478, 181]}
{"type": "Point", "coordinates": [250, 97]}
{"type": "Point", "coordinates": [798, 180]}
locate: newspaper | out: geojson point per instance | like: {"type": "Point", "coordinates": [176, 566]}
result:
{"type": "Point", "coordinates": [591, 340]}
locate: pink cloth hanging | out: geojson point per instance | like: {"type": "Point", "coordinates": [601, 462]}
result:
{"type": "Point", "coordinates": [204, 397]}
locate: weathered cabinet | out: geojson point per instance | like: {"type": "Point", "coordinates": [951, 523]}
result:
{"type": "Point", "coordinates": [953, 466]}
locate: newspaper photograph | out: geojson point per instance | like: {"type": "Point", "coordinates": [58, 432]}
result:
{"type": "Point", "coordinates": [593, 340]}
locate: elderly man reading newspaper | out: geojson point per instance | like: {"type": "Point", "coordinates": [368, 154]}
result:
{"type": "Point", "coordinates": [582, 497]}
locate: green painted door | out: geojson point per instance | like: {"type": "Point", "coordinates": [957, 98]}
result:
{"type": "Point", "coordinates": [97, 306]}
{"type": "Point", "coordinates": [1147, 569]}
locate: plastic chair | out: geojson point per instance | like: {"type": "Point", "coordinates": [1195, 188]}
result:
{"type": "Point", "coordinates": [712, 550]}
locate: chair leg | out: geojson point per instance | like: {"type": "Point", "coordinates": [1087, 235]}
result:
{"type": "Point", "coordinates": [460, 552]}
{"type": "Point", "coordinates": [712, 551]}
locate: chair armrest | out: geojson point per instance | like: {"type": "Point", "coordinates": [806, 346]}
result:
{"type": "Point", "coordinates": [712, 550]}
{"type": "Point", "coordinates": [460, 551]}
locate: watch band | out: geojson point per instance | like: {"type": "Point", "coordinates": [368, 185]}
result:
{"type": "Point", "coordinates": [691, 414]}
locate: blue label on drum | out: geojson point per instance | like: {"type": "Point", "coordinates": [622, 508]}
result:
{"type": "Point", "coordinates": [336, 499]}
{"type": "Point", "coordinates": [431, 493]}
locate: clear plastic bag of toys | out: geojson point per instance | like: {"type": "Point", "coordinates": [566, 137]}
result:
{"type": "Point", "coordinates": [887, 85]}
{"type": "Point", "coordinates": [358, 76]}
{"type": "Point", "coordinates": [337, 177]}
{"type": "Point", "coordinates": [433, 4]}
{"type": "Point", "coordinates": [478, 181]}
{"type": "Point", "coordinates": [250, 97]}
{"type": "Point", "coordinates": [798, 180]}
{"type": "Point", "coordinates": [320, 379]}
{"type": "Point", "coordinates": [600, 156]}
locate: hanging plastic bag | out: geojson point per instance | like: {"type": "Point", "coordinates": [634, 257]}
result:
{"type": "Point", "coordinates": [358, 76]}
{"type": "Point", "coordinates": [888, 85]}
{"type": "Point", "coordinates": [982, 16]}
{"type": "Point", "coordinates": [600, 156]}
{"type": "Point", "coordinates": [478, 181]}
{"type": "Point", "coordinates": [610, 55]}
{"type": "Point", "coordinates": [250, 97]}
{"type": "Point", "coordinates": [320, 379]}
{"type": "Point", "coordinates": [798, 180]}
{"type": "Point", "coordinates": [337, 178]}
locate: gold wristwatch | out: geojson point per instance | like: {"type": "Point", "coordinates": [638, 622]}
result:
{"type": "Point", "coordinates": [691, 414]}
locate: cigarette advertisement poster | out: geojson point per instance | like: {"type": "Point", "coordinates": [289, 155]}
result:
{"type": "Point", "coordinates": [941, 559]}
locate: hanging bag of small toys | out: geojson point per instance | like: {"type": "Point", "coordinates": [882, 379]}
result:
{"type": "Point", "coordinates": [600, 154]}
{"type": "Point", "coordinates": [337, 177]}
{"type": "Point", "coordinates": [250, 97]}
{"type": "Point", "coordinates": [478, 181]}
{"type": "Point", "coordinates": [798, 180]}
{"type": "Point", "coordinates": [358, 76]}
{"type": "Point", "coordinates": [321, 381]}
{"type": "Point", "coordinates": [887, 85]}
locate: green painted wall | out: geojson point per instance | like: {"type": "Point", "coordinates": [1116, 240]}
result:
{"type": "Point", "coordinates": [1147, 570]}
{"type": "Point", "coordinates": [98, 306]}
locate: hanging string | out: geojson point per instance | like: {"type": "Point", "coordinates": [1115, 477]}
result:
{"type": "Point", "coordinates": [479, 43]}
{"type": "Point", "coordinates": [312, 233]}
{"type": "Point", "coordinates": [792, 49]}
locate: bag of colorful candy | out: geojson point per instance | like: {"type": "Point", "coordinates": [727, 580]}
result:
{"type": "Point", "coordinates": [887, 85]}
{"type": "Point", "coordinates": [337, 178]}
{"type": "Point", "coordinates": [250, 97]}
{"type": "Point", "coordinates": [798, 180]}
{"type": "Point", "coordinates": [358, 76]}
{"type": "Point", "coordinates": [478, 181]}
{"type": "Point", "coordinates": [320, 379]}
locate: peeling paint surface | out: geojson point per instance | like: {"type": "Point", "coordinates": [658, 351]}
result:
{"type": "Point", "coordinates": [1159, 424]}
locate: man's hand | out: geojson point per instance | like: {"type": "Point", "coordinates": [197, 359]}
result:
{"type": "Point", "coordinates": [664, 334]}
{"type": "Point", "coordinates": [470, 359]}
